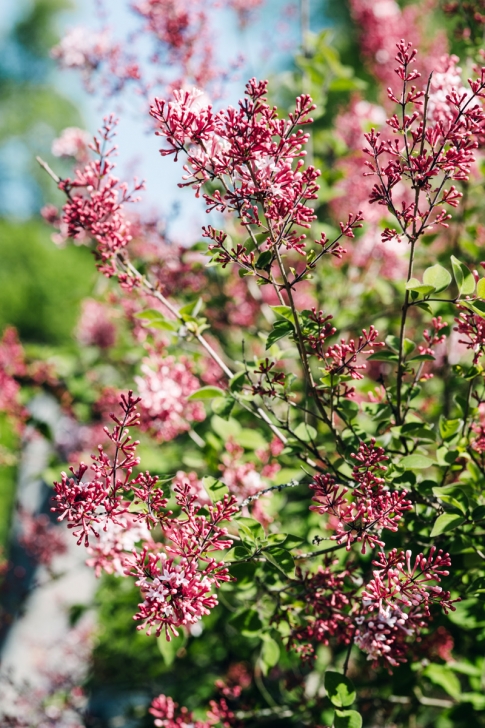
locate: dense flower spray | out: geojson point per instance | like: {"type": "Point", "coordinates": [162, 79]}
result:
{"type": "Point", "coordinates": [113, 516]}
{"type": "Point", "coordinates": [311, 395]}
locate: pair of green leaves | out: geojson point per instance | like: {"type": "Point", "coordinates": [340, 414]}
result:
{"type": "Point", "coordinates": [435, 279]}
{"type": "Point", "coordinates": [188, 314]}
{"type": "Point", "coordinates": [283, 326]}
{"type": "Point", "coordinates": [341, 693]}
{"type": "Point", "coordinates": [465, 282]}
{"type": "Point", "coordinates": [275, 548]}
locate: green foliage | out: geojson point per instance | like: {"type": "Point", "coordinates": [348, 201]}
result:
{"type": "Point", "coordinates": [40, 287]}
{"type": "Point", "coordinates": [9, 444]}
{"type": "Point", "coordinates": [340, 689]}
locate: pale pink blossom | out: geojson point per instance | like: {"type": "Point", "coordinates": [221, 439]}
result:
{"type": "Point", "coordinates": [164, 386]}
{"type": "Point", "coordinates": [41, 539]}
{"type": "Point", "coordinates": [95, 327]}
{"type": "Point", "coordinates": [446, 78]}
{"type": "Point", "coordinates": [73, 142]}
{"type": "Point", "coordinates": [82, 48]}
{"type": "Point", "coordinates": [114, 546]}
{"type": "Point", "coordinates": [382, 24]}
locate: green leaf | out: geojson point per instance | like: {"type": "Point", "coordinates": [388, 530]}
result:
{"type": "Point", "coordinates": [349, 408]}
{"type": "Point", "coordinates": [347, 719]}
{"type": "Point", "coordinates": [244, 574]}
{"type": "Point", "coordinates": [223, 406]}
{"type": "Point", "coordinates": [292, 541]}
{"type": "Point", "coordinates": [264, 259]}
{"type": "Point", "coordinates": [414, 285]}
{"type": "Point", "coordinates": [280, 330]}
{"type": "Point", "coordinates": [383, 356]}
{"type": "Point", "coordinates": [476, 699]}
{"type": "Point", "coordinates": [392, 342]}
{"type": "Point", "coordinates": [283, 311]}
{"type": "Point", "coordinates": [481, 288]}
{"type": "Point", "coordinates": [161, 324]}
{"type": "Point", "coordinates": [463, 277]}
{"type": "Point", "coordinates": [478, 513]}
{"type": "Point", "coordinates": [449, 428]}
{"type": "Point", "coordinates": [305, 432]}
{"type": "Point", "coordinates": [276, 539]}
{"type": "Point", "coordinates": [237, 554]}
{"type": "Point", "coordinates": [251, 528]}
{"type": "Point", "coordinates": [150, 314]}
{"type": "Point", "coordinates": [214, 488]}
{"type": "Point", "coordinates": [442, 676]}
{"type": "Point", "coordinates": [260, 239]}
{"type": "Point", "coordinates": [281, 558]}
{"type": "Point", "coordinates": [422, 357]}
{"type": "Point", "coordinates": [478, 307]}
{"type": "Point", "coordinates": [446, 522]}
{"type": "Point", "coordinates": [408, 346]}
{"type": "Point", "coordinates": [425, 307]}
{"type": "Point", "coordinates": [207, 393]}
{"type": "Point", "coordinates": [415, 462]}
{"type": "Point", "coordinates": [446, 457]}
{"type": "Point", "coordinates": [156, 320]}
{"type": "Point", "coordinates": [453, 496]}
{"type": "Point", "coordinates": [418, 430]}
{"type": "Point", "coordinates": [340, 689]}
{"type": "Point", "coordinates": [191, 309]}
{"type": "Point", "coordinates": [237, 382]}
{"type": "Point", "coordinates": [169, 650]}
{"type": "Point", "coordinates": [225, 428]}
{"type": "Point", "coordinates": [467, 615]}
{"type": "Point", "coordinates": [247, 622]}
{"type": "Point", "coordinates": [437, 276]}
{"type": "Point", "coordinates": [251, 439]}
{"type": "Point", "coordinates": [270, 653]}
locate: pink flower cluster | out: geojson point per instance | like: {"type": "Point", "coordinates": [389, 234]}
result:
{"type": "Point", "coordinates": [95, 326]}
{"type": "Point", "coordinates": [88, 52]}
{"type": "Point", "coordinates": [12, 367]}
{"type": "Point", "coordinates": [434, 337]}
{"type": "Point", "coordinates": [446, 79]}
{"type": "Point", "coordinates": [328, 601]}
{"type": "Point", "coordinates": [367, 253]}
{"type": "Point", "coordinates": [96, 202]}
{"type": "Point", "coordinates": [342, 358]}
{"type": "Point", "coordinates": [181, 32]}
{"type": "Point", "coordinates": [164, 388]}
{"type": "Point", "coordinates": [424, 155]}
{"type": "Point", "coordinates": [382, 24]}
{"type": "Point", "coordinates": [168, 714]}
{"type": "Point", "coordinates": [114, 545]}
{"type": "Point", "coordinates": [396, 602]}
{"type": "Point", "coordinates": [113, 515]}
{"type": "Point", "coordinates": [360, 514]}
{"type": "Point", "coordinates": [81, 48]}
{"type": "Point", "coordinates": [181, 29]}
{"type": "Point", "coordinates": [176, 583]}
{"type": "Point", "coordinates": [87, 504]}
{"type": "Point", "coordinates": [384, 618]}
{"type": "Point", "coordinates": [251, 152]}
{"type": "Point", "coordinates": [16, 370]}
{"type": "Point", "coordinates": [471, 326]}
{"type": "Point", "coordinates": [41, 539]}
{"type": "Point", "coordinates": [74, 143]}
{"type": "Point", "coordinates": [176, 268]}
{"type": "Point", "coordinates": [244, 9]}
